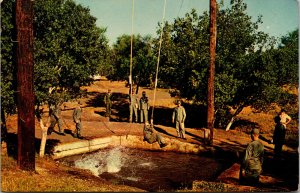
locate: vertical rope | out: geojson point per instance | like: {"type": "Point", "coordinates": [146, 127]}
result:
{"type": "Point", "coordinates": [157, 65]}
{"type": "Point", "coordinates": [131, 42]}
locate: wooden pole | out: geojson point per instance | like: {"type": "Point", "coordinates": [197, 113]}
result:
{"type": "Point", "coordinates": [212, 51]}
{"type": "Point", "coordinates": [25, 94]}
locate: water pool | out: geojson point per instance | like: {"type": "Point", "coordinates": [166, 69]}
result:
{"type": "Point", "coordinates": [149, 170]}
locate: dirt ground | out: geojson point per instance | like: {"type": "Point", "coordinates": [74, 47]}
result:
{"type": "Point", "coordinates": [277, 175]}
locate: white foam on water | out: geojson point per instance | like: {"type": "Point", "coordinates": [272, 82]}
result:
{"type": "Point", "coordinates": [114, 161]}
{"type": "Point", "coordinates": [89, 164]}
{"type": "Point", "coordinates": [133, 179]}
{"type": "Point", "coordinates": [101, 162]}
{"type": "Point", "coordinates": [147, 164]}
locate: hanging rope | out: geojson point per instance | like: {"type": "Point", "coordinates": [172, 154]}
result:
{"type": "Point", "coordinates": [130, 73]}
{"type": "Point", "coordinates": [156, 75]}
{"type": "Point", "coordinates": [131, 47]}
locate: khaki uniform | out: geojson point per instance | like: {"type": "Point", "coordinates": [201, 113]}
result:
{"type": "Point", "coordinates": [179, 116]}
{"type": "Point", "coordinates": [144, 107]}
{"type": "Point", "coordinates": [151, 136]}
{"type": "Point", "coordinates": [77, 119]}
{"type": "Point", "coordinates": [55, 117]}
{"type": "Point", "coordinates": [252, 162]}
{"type": "Point", "coordinates": [108, 104]}
{"type": "Point", "coordinates": [134, 105]}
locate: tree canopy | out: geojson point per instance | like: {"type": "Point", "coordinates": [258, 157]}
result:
{"type": "Point", "coordinates": [143, 59]}
{"type": "Point", "coordinates": [252, 68]}
{"type": "Point", "coordinates": [68, 50]}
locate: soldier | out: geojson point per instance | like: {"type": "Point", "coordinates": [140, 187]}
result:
{"type": "Point", "coordinates": [179, 116]}
{"type": "Point", "coordinates": [144, 107]}
{"type": "Point", "coordinates": [279, 133]}
{"type": "Point", "coordinates": [108, 103]}
{"type": "Point", "coordinates": [55, 117]}
{"type": "Point", "coordinates": [151, 136]}
{"type": "Point", "coordinates": [251, 166]}
{"type": "Point", "coordinates": [134, 104]}
{"type": "Point", "coordinates": [77, 119]}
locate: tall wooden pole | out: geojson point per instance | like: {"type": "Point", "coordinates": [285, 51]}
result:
{"type": "Point", "coordinates": [212, 51]}
{"type": "Point", "coordinates": [25, 94]}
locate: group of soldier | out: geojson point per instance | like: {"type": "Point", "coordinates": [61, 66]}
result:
{"type": "Point", "coordinates": [135, 104]}
{"type": "Point", "coordinates": [142, 105]}
{"type": "Point", "coordinates": [56, 118]}
{"type": "Point", "coordinates": [251, 163]}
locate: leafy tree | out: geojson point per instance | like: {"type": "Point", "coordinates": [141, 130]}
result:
{"type": "Point", "coordinates": [68, 49]}
{"type": "Point", "coordinates": [8, 38]}
{"type": "Point", "coordinates": [8, 78]}
{"type": "Point", "coordinates": [143, 59]}
{"type": "Point", "coordinates": [246, 72]}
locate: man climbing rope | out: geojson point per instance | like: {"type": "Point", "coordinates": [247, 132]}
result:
{"type": "Point", "coordinates": [151, 136]}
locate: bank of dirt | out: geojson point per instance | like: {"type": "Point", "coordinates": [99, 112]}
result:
{"type": "Point", "coordinates": [51, 175]}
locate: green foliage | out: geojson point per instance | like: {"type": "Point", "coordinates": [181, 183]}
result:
{"type": "Point", "coordinates": [8, 43]}
{"type": "Point", "coordinates": [68, 50]}
{"type": "Point", "coordinates": [143, 59]}
{"type": "Point", "coordinates": [249, 70]}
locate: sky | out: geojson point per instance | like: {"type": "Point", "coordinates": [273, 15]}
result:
{"type": "Point", "coordinates": [279, 16]}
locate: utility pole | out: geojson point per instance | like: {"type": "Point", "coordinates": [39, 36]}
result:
{"type": "Point", "coordinates": [25, 94]}
{"type": "Point", "coordinates": [211, 78]}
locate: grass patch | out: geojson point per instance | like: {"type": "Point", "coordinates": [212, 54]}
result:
{"type": "Point", "coordinates": [52, 177]}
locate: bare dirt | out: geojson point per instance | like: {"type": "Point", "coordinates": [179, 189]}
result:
{"type": "Point", "coordinates": [279, 175]}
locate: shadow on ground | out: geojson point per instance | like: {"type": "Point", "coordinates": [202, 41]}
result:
{"type": "Point", "coordinates": [12, 145]}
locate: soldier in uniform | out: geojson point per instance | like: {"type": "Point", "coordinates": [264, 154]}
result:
{"type": "Point", "coordinates": [178, 117]}
{"type": "Point", "coordinates": [77, 119]}
{"type": "Point", "coordinates": [279, 133]}
{"type": "Point", "coordinates": [108, 103]}
{"type": "Point", "coordinates": [144, 107]}
{"type": "Point", "coordinates": [134, 104]}
{"type": "Point", "coordinates": [251, 166]}
{"type": "Point", "coordinates": [55, 117]}
{"type": "Point", "coordinates": [151, 136]}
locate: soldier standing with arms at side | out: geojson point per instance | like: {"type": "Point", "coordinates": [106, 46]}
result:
{"type": "Point", "coordinates": [77, 119]}
{"type": "Point", "coordinates": [179, 116]}
{"type": "Point", "coordinates": [108, 103]}
{"type": "Point", "coordinates": [144, 107]}
{"type": "Point", "coordinates": [134, 104]}
{"type": "Point", "coordinates": [55, 117]}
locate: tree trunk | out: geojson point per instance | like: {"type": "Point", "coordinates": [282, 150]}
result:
{"type": "Point", "coordinates": [25, 92]}
{"type": "Point", "coordinates": [44, 136]}
{"type": "Point", "coordinates": [3, 126]}
{"type": "Point", "coordinates": [212, 51]}
{"type": "Point", "coordinates": [44, 129]}
{"type": "Point", "coordinates": [239, 109]}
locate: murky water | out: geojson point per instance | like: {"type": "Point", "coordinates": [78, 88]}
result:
{"type": "Point", "coordinates": [149, 170]}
